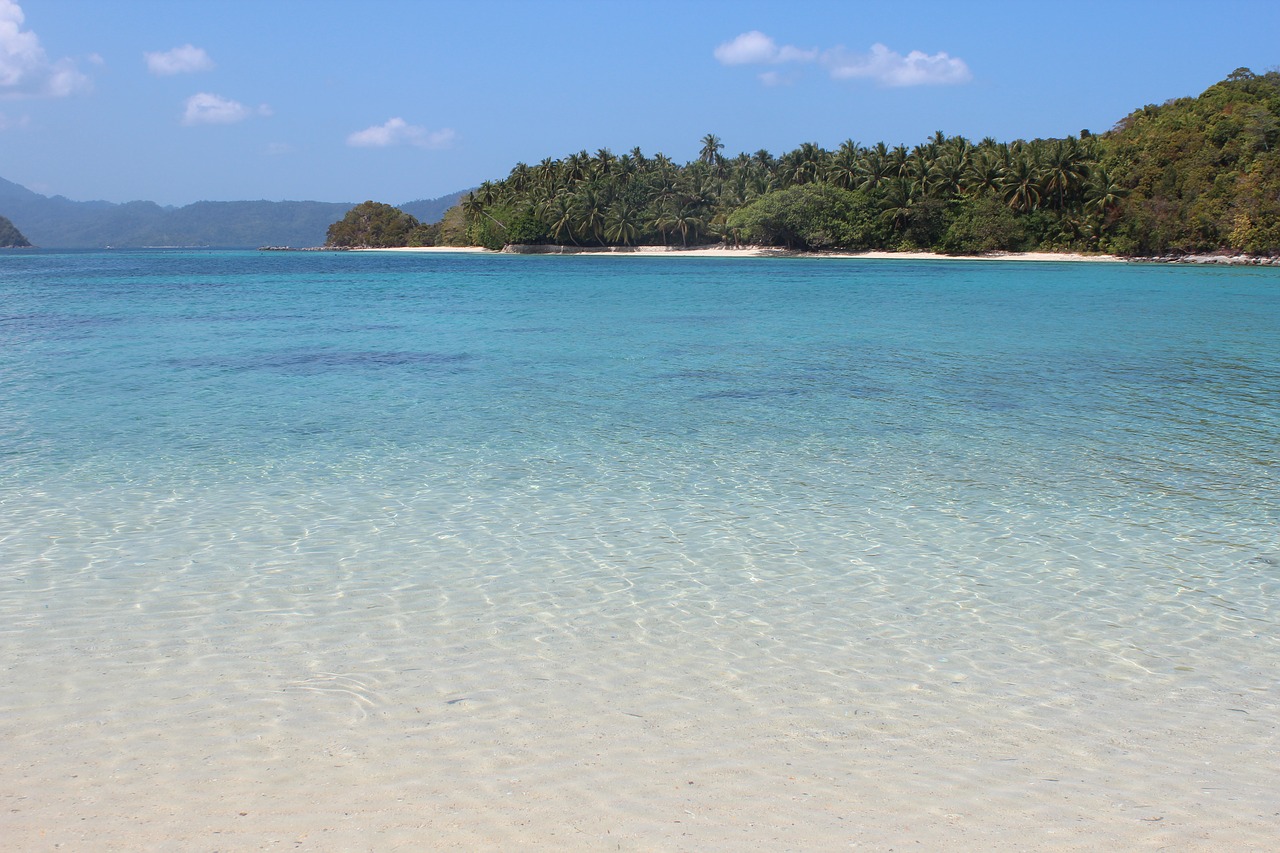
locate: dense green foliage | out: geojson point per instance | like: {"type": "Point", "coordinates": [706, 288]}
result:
{"type": "Point", "coordinates": [11, 237]}
{"type": "Point", "coordinates": [1203, 173]}
{"type": "Point", "coordinates": [373, 225]}
{"type": "Point", "coordinates": [1196, 174]}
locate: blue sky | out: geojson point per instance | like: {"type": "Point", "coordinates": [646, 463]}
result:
{"type": "Point", "coordinates": [178, 101]}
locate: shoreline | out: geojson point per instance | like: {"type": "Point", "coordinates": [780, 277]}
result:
{"type": "Point", "coordinates": [749, 252]}
{"type": "Point", "coordinates": [736, 252]}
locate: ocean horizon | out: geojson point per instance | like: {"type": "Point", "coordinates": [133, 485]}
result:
{"type": "Point", "coordinates": [390, 550]}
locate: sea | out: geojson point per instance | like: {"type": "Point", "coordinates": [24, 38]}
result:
{"type": "Point", "coordinates": [367, 550]}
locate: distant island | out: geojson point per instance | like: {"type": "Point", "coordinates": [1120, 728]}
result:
{"type": "Point", "coordinates": [58, 222]}
{"type": "Point", "coordinates": [11, 237]}
{"type": "Point", "coordinates": [1192, 175]}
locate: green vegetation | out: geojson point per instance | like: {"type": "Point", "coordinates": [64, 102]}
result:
{"type": "Point", "coordinates": [946, 194]}
{"type": "Point", "coordinates": [1202, 173]}
{"type": "Point", "coordinates": [372, 225]}
{"type": "Point", "coordinates": [11, 237]}
{"type": "Point", "coordinates": [1193, 175]}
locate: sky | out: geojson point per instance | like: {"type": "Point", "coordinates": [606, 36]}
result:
{"type": "Point", "coordinates": [177, 101]}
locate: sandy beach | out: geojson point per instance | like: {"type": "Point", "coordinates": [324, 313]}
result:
{"type": "Point", "coordinates": [757, 252]}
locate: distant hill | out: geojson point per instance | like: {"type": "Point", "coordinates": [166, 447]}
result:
{"type": "Point", "coordinates": [432, 210]}
{"type": "Point", "coordinates": [10, 237]}
{"type": "Point", "coordinates": [59, 223]}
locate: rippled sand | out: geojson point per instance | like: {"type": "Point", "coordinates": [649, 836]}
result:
{"type": "Point", "coordinates": [420, 562]}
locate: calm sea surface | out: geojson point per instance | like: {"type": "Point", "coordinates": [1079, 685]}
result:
{"type": "Point", "coordinates": [996, 542]}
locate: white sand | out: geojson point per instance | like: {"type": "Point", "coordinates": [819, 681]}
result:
{"type": "Point", "coordinates": [768, 252]}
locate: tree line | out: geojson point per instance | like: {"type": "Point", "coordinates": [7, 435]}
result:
{"type": "Point", "coordinates": [1191, 175]}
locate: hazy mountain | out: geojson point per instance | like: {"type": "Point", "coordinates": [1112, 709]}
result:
{"type": "Point", "coordinates": [58, 223]}
{"type": "Point", "coordinates": [432, 210]}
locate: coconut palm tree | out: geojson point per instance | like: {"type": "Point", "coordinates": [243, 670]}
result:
{"type": "Point", "coordinates": [560, 214]}
{"type": "Point", "coordinates": [1021, 184]}
{"type": "Point", "coordinates": [898, 161]}
{"type": "Point", "coordinates": [920, 170]}
{"type": "Point", "coordinates": [873, 168]}
{"type": "Point", "coordinates": [899, 203]}
{"type": "Point", "coordinates": [622, 223]}
{"type": "Point", "coordinates": [843, 171]}
{"type": "Point", "coordinates": [688, 219]}
{"type": "Point", "coordinates": [589, 203]}
{"type": "Point", "coordinates": [1103, 194]}
{"type": "Point", "coordinates": [604, 161]}
{"type": "Point", "coordinates": [1064, 170]}
{"type": "Point", "coordinates": [711, 148]}
{"type": "Point", "coordinates": [949, 171]}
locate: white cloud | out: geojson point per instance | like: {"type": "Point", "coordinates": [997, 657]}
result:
{"type": "Point", "coordinates": [397, 131]}
{"type": "Point", "coordinates": [207, 108]}
{"type": "Point", "coordinates": [25, 70]}
{"type": "Point", "coordinates": [757, 48]}
{"type": "Point", "coordinates": [180, 60]}
{"type": "Point", "coordinates": [884, 66]}
{"type": "Point", "coordinates": [890, 68]}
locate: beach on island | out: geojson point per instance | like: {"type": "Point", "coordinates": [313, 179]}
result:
{"type": "Point", "coordinates": [721, 251]}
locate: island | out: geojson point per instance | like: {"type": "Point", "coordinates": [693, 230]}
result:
{"type": "Point", "coordinates": [1192, 176]}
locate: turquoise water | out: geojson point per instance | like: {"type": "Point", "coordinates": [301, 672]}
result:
{"type": "Point", "coordinates": [315, 497]}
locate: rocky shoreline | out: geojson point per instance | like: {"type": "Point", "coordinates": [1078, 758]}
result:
{"type": "Point", "coordinates": [1219, 259]}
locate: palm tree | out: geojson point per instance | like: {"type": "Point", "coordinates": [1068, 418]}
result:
{"type": "Point", "coordinates": [843, 171]}
{"type": "Point", "coordinates": [921, 171]}
{"type": "Point", "coordinates": [474, 206]}
{"type": "Point", "coordinates": [711, 148]}
{"type": "Point", "coordinates": [1064, 170]}
{"type": "Point", "coordinates": [873, 168]}
{"type": "Point", "coordinates": [898, 161]}
{"type": "Point", "coordinates": [1103, 194]}
{"type": "Point", "coordinates": [664, 221]}
{"type": "Point", "coordinates": [561, 214]}
{"type": "Point", "coordinates": [950, 171]}
{"type": "Point", "coordinates": [621, 223]}
{"type": "Point", "coordinates": [984, 173]}
{"type": "Point", "coordinates": [604, 161]}
{"type": "Point", "coordinates": [1021, 184]}
{"type": "Point", "coordinates": [575, 166]}
{"type": "Point", "coordinates": [812, 161]}
{"type": "Point", "coordinates": [687, 219]}
{"type": "Point", "coordinates": [590, 208]}
{"type": "Point", "coordinates": [899, 203]}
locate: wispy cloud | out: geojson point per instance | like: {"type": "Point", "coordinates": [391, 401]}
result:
{"type": "Point", "coordinates": [757, 48]}
{"type": "Point", "coordinates": [181, 60]}
{"type": "Point", "coordinates": [880, 64]}
{"type": "Point", "coordinates": [397, 131]}
{"type": "Point", "coordinates": [12, 123]}
{"type": "Point", "coordinates": [25, 70]}
{"type": "Point", "coordinates": [893, 69]}
{"type": "Point", "coordinates": [207, 108]}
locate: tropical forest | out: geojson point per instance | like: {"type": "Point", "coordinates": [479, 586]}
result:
{"type": "Point", "coordinates": [1192, 175]}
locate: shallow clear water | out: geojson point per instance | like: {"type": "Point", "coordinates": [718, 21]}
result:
{"type": "Point", "coordinates": [921, 533]}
